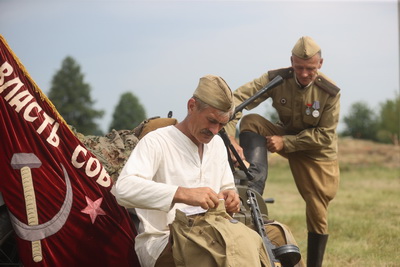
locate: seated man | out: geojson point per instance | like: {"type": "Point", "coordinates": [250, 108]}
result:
{"type": "Point", "coordinates": [177, 167]}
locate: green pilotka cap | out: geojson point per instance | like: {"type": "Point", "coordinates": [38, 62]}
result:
{"type": "Point", "coordinates": [214, 91]}
{"type": "Point", "coordinates": [305, 48]}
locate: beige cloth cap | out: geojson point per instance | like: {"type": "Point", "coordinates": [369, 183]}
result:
{"type": "Point", "coordinates": [214, 91]}
{"type": "Point", "coordinates": [305, 48]}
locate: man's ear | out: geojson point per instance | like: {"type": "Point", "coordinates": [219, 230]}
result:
{"type": "Point", "coordinates": [320, 62]}
{"type": "Point", "coordinates": [191, 105]}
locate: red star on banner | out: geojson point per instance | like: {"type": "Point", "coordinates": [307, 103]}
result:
{"type": "Point", "coordinates": [93, 208]}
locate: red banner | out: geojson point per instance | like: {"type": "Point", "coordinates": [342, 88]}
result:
{"type": "Point", "coordinates": [56, 191]}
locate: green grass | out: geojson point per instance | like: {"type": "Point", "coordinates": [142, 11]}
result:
{"type": "Point", "coordinates": [364, 217]}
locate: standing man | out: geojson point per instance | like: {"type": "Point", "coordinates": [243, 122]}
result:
{"type": "Point", "coordinates": [308, 104]}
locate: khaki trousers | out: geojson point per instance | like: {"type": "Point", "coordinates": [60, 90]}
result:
{"type": "Point", "coordinates": [215, 239]}
{"type": "Point", "coordinates": [210, 240]}
{"type": "Point", "coordinates": [317, 180]}
{"type": "Point", "coordinates": [275, 234]}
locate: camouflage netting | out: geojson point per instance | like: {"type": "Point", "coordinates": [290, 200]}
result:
{"type": "Point", "coordinates": [113, 149]}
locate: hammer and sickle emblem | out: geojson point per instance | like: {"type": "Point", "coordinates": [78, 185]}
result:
{"type": "Point", "coordinates": [33, 231]}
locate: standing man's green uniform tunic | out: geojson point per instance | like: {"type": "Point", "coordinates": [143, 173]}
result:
{"type": "Point", "coordinates": [308, 120]}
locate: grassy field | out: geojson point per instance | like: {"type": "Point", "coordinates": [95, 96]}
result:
{"type": "Point", "coordinates": [364, 218]}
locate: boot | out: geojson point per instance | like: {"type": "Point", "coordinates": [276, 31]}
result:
{"type": "Point", "coordinates": [316, 249]}
{"type": "Point", "coordinates": [255, 150]}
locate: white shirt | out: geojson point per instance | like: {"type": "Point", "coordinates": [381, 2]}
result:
{"type": "Point", "coordinates": [163, 160]}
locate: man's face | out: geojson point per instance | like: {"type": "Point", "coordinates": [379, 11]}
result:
{"type": "Point", "coordinates": [206, 123]}
{"type": "Point", "coordinates": [306, 69]}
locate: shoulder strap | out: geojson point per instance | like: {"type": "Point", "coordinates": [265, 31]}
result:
{"type": "Point", "coordinates": [327, 85]}
{"type": "Point", "coordinates": [285, 73]}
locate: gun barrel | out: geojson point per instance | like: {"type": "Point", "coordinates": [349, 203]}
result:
{"type": "Point", "coordinates": [275, 82]}
{"type": "Point", "coordinates": [259, 225]}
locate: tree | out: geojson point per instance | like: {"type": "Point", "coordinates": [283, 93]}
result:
{"type": "Point", "coordinates": [389, 126]}
{"type": "Point", "coordinates": [361, 123]}
{"type": "Point", "coordinates": [71, 96]}
{"type": "Point", "coordinates": [128, 113]}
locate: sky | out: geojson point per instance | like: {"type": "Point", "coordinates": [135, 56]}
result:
{"type": "Point", "coordinates": [158, 50]}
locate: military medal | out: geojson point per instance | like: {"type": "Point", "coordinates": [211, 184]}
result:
{"type": "Point", "coordinates": [308, 110]}
{"type": "Point", "coordinates": [315, 112]}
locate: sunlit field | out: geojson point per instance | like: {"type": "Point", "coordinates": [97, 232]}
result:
{"type": "Point", "coordinates": [364, 218]}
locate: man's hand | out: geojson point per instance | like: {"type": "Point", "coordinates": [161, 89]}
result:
{"type": "Point", "coordinates": [274, 143]}
{"type": "Point", "coordinates": [232, 201]}
{"type": "Point", "coordinates": [204, 197]}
